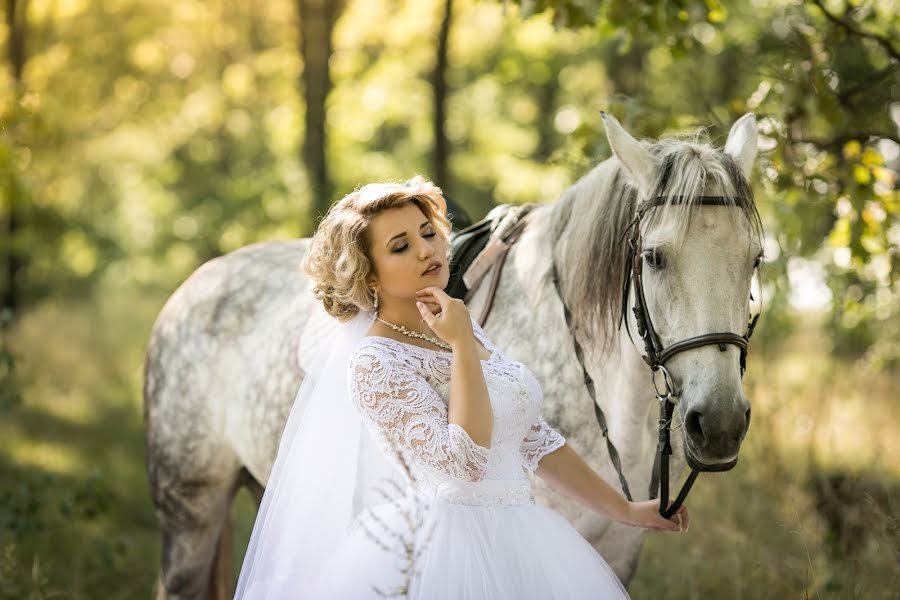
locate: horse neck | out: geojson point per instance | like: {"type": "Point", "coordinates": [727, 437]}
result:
{"type": "Point", "coordinates": [622, 378]}
{"type": "Point", "coordinates": [584, 231]}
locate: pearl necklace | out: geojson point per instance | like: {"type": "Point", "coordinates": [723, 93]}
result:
{"type": "Point", "coordinates": [416, 334]}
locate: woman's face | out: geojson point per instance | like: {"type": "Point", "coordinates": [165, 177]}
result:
{"type": "Point", "coordinates": [403, 244]}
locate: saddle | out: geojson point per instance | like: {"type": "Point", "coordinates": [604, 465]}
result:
{"type": "Point", "coordinates": [482, 245]}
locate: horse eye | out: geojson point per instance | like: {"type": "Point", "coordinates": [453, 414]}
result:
{"type": "Point", "coordinates": [757, 261]}
{"type": "Point", "coordinates": [655, 258]}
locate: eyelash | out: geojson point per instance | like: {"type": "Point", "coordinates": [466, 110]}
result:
{"type": "Point", "coordinates": [402, 248]}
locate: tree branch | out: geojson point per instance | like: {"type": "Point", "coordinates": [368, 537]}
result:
{"type": "Point", "coordinates": [852, 29]}
{"type": "Point", "coordinates": [862, 86]}
{"type": "Point", "coordinates": [839, 141]}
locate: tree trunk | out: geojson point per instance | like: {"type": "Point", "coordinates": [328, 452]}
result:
{"type": "Point", "coordinates": [547, 115]}
{"type": "Point", "coordinates": [439, 170]}
{"type": "Point", "coordinates": [317, 19]}
{"type": "Point", "coordinates": [16, 22]}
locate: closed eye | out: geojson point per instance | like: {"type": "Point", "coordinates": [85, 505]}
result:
{"type": "Point", "coordinates": [400, 249]}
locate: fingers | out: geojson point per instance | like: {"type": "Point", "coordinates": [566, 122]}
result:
{"type": "Point", "coordinates": [437, 305]}
{"type": "Point", "coordinates": [650, 516]}
{"type": "Point", "coordinates": [680, 521]}
{"type": "Point", "coordinates": [434, 293]}
{"type": "Point", "coordinates": [670, 524]}
{"type": "Point", "coordinates": [431, 303]}
{"type": "Point", "coordinates": [434, 307]}
{"type": "Point", "coordinates": [433, 289]}
{"type": "Point", "coordinates": [686, 516]}
{"type": "Point", "coordinates": [426, 313]}
{"type": "Point", "coordinates": [682, 517]}
{"type": "Point", "coordinates": [426, 298]}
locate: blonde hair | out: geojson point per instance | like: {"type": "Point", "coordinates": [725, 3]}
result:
{"type": "Point", "coordinates": [338, 260]}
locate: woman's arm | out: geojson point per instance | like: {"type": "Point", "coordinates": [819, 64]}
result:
{"type": "Point", "coordinates": [567, 472]}
{"type": "Point", "coordinates": [399, 404]}
{"type": "Point", "coordinates": [469, 405]}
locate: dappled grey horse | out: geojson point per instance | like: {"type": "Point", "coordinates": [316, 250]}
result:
{"type": "Point", "coordinates": [224, 363]}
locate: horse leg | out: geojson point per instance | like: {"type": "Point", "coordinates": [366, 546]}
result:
{"type": "Point", "coordinates": [194, 516]}
{"type": "Point", "coordinates": [256, 489]}
{"type": "Point", "coordinates": [221, 575]}
{"type": "Point", "coordinates": [620, 545]}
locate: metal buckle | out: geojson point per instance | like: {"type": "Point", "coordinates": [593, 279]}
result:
{"type": "Point", "coordinates": [668, 391]}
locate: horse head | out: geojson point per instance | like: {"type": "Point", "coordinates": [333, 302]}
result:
{"type": "Point", "coordinates": [693, 254]}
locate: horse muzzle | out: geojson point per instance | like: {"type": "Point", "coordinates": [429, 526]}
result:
{"type": "Point", "coordinates": [708, 467]}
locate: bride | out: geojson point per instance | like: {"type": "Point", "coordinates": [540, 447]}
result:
{"type": "Point", "coordinates": [412, 397]}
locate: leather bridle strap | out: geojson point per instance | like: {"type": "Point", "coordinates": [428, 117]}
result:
{"type": "Point", "coordinates": [656, 356]}
{"type": "Point", "coordinates": [589, 384]}
{"type": "Point", "coordinates": [706, 339]}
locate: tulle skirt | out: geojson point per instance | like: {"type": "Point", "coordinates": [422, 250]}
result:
{"type": "Point", "coordinates": [486, 540]}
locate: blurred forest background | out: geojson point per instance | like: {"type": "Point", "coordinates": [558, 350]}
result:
{"type": "Point", "coordinates": [139, 139]}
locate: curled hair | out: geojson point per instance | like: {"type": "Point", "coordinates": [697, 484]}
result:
{"type": "Point", "coordinates": [338, 261]}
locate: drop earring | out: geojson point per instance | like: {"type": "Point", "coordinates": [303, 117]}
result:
{"type": "Point", "coordinates": [375, 308]}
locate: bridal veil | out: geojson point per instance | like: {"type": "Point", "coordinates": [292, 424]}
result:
{"type": "Point", "coordinates": [327, 470]}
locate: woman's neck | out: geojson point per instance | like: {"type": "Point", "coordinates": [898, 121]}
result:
{"type": "Point", "coordinates": [406, 314]}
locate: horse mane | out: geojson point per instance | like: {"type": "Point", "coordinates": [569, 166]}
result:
{"type": "Point", "coordinates": [590, 224]}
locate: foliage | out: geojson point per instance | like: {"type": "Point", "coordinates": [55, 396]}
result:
{"type": "Point", "coordinates": [823, 81]}
{"type": "Point", "coordinates": [138, 165]}
{"type": "Point", "coordinates": [10, 393]}
{"type": "Point", "coordinates": [73, 480]}
{"type": "Point", "coordinates": [76, 519]}
{"type": "Point", "coordinates": [147, 138]}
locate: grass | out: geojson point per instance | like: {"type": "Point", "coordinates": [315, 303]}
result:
{"type": "Point", "coordinates": [74, 499]}
{"type": "Point", "coordinates": [810, 510]}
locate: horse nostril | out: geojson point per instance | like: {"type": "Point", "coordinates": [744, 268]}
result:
{"type": "Point", "coordinates": [747, 418]}
{"type": "Point", "coordinates": [694, 428]}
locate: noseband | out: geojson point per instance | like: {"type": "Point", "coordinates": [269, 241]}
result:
{"type": "Point", "coordinates": [656, 356]}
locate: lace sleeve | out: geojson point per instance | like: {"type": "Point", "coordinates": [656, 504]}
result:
{"type": "Point", "coordinates": [540, 441]}
{"type": "Point", "coordinates": [399, 402]}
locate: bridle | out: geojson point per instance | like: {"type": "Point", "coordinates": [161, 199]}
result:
{"type": "Point", "coordinates": [656, 356]}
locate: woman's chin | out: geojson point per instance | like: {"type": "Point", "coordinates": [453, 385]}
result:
{"type": "Point", "coordinates": [441, 280]}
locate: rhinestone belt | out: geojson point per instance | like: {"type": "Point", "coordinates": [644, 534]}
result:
{"type": "Point", "coordinates": [487, 492]}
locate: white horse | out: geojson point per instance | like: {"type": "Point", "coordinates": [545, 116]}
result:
{"type": "Point", "coordinates": [222, 365]}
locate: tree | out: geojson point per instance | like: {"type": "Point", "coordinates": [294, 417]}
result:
{"type": "Point", "coordinates": [317, 20]}
{"type": "Point", "coordinates": [13, 184]}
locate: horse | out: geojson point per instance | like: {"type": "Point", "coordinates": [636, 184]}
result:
{"type": "Point", "coordinates": [223, 361]}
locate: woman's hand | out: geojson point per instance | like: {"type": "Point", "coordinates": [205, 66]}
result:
{"type": "Point", "coordinates": [646, 514]}
{"type": "Point", "coordinates": [452, 322]}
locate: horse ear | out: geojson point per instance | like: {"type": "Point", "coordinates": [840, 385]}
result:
{"type": "Point", "coordinates": [643, 166]}
{"type": "Point", "coordinates": [741, 144]}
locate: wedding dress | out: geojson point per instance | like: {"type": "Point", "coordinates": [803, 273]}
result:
{"type": "Point", "coordinates": [465, 526]}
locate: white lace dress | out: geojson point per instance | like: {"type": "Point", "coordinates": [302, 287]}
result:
{"type": "Point", "coordinates": [483, 537]}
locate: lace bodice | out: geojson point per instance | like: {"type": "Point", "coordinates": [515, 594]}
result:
{"type": "Point", "coordinates": [403, 392]}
